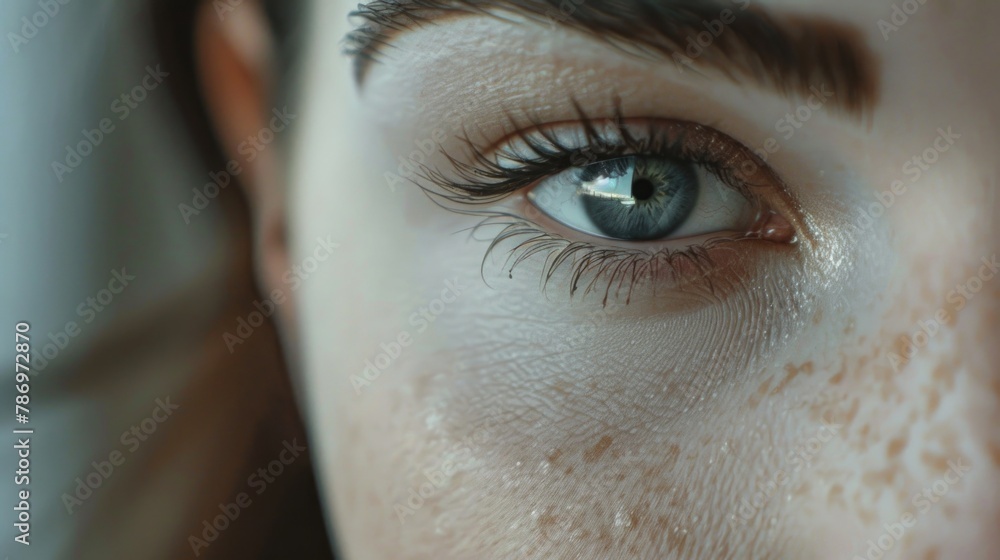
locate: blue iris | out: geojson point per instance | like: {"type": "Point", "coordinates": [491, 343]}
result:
{"type": "Point", "coordinates": [638, 198]}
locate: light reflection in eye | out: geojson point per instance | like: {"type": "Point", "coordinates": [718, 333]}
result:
{"type": "Point", "coordinates": [641, 198]}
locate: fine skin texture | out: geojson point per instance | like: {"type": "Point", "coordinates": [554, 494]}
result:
{"type": "Point", "coordinates": [780, 414]}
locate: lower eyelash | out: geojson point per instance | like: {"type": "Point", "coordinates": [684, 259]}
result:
{"type": "Point", "coordinates": [593, 269]}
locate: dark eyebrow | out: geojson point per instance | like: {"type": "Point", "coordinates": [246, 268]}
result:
{"type": "Point", "coordinates": [791, 55]}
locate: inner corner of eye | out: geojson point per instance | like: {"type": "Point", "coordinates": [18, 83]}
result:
{"type": "Point", "coordinates": [649, 198]}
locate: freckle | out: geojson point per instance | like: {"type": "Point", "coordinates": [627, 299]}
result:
{"type": "Point", "coordinates": [836, 495]}
{"type": "Point", "coordinates": [818, 317]}
{"type": "Point", "coordinates": [762, 390]}
{"type": "Point", "coordinates": [853, 411]}
{"type": "Point", "coordinates": [837, 379]}
{"type": "Point", "coordinates": [883, 477]}
{"type": "Point", "coordinates": [933, 400]}
{"type": "Point", "coordinates": [554, 456]}
{"type": "Point", "coordinates": [932, 554]}
{"type": "Point", "coordinates": [594, 453]}
{"type": "Point", "coordinates": [937, 462]}
{"type": "Point", "coordinates": [896, 447]}
{"type": "Point", "coordinates": [791, 373]}
{"type": "Point", "coordinates": [754, 399]}
{"type": "Point", "coordinates": [945, 375]}
{"type": "Point", "coordinates": [902, 343]}
{"type": "Point", "coordinates": [569, 470]}
{"type": "Point", "coordinates": [863, 432]}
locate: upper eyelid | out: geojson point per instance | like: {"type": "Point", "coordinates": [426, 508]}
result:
{"type": "Point", "coordinates": [539, 143]}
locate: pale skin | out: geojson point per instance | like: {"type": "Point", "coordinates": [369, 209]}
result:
{"type": "Point", "coordinates": [782, 418]}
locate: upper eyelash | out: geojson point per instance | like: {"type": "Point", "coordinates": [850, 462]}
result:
{"type": "Point", "coordinates": [485, 180]}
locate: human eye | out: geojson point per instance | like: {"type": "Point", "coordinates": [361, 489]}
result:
{"type": "Point", "coordinates": [639, 198]}
{"type": "Point", "coordinates": [616, 200]}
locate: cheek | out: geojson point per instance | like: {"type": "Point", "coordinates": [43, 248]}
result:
{"type": "Point", "coordinates": [607, 429]}
{"type": "Point", "coordinates": [916, 458]}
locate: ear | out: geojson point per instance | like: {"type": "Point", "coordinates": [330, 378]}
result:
{"type": "Point", "coordinates": [235, 53]}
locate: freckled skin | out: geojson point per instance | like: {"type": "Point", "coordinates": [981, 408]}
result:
{"type": "Point", "coordinates": [791, 418]}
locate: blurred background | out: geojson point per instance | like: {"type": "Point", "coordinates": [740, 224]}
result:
{"type": "Point", "coordinates": [150, 438]}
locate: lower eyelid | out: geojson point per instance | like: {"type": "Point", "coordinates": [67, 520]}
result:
{"type": "Point", "coordinates": [667, 277]}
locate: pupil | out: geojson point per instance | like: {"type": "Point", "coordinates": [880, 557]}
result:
{"type": "Point", "coordinates": [642, 189]}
